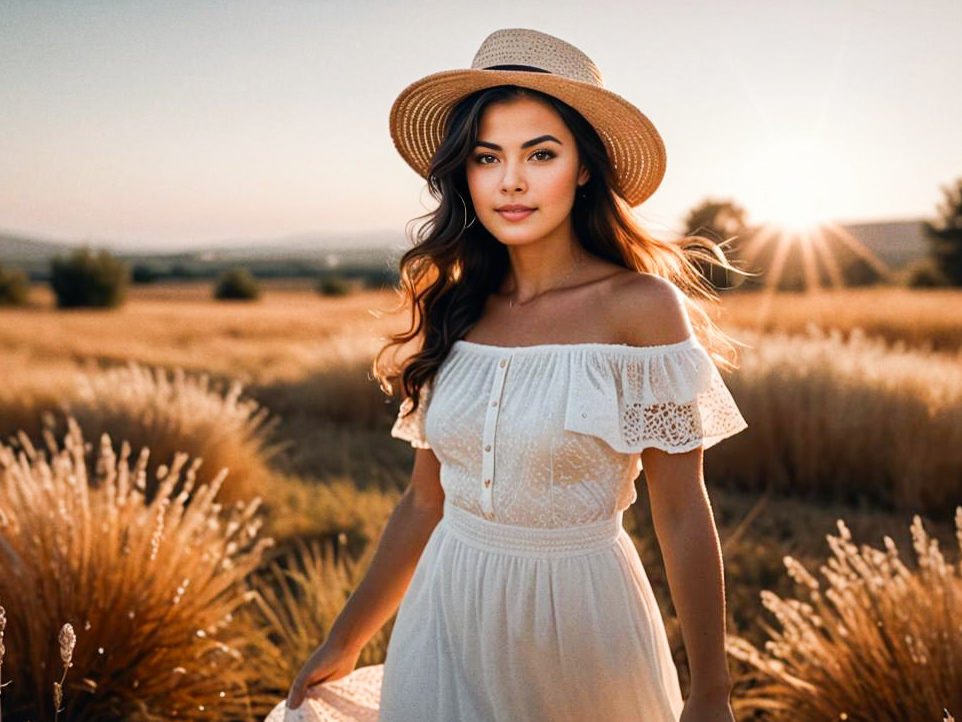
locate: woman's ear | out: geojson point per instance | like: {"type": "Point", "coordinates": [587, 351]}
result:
{"type": "Point", "coordinates": [583, 176]}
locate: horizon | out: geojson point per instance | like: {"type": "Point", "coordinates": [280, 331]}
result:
{"type": "Point", "coordinates": [350, 238]}
{"type": "Point", "coordinates": [144, 130]}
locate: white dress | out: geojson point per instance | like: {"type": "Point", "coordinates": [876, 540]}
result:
{"type": "Point", "coordinates": [529, 601]}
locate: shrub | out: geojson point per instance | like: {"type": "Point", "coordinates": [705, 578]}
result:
{"type": "Point", "coordinates": [87, 280]}
{"type": "Point", "coordinates": [882, 642]}
{"type": "Point", "coordinates": [237, 284]}
{"type": "Point", "coordinates": [179, 412]}
{"type": "Point", "coordinates": [14, 287]}
{"type": "Point", "coordinates": [924, 273]}
{"type": "Point", "coordinates": [145, 273]}
{"type": "Point", "coordinates": [333, 286]}
{"type": "Point", "coordinates": [151, 588]}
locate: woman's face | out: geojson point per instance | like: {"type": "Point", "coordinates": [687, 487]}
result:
{"type": "Point", "coordinates": [525, 156]}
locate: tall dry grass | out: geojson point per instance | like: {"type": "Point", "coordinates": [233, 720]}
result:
{"type": "Point", "coordinates": [853, 419]}
{"type": "Point", "coordinates": [880, 642]}
{"type": "Point", "coordinates": [927, 319]}
{"type": "Point", "coordinates": [151, 588]}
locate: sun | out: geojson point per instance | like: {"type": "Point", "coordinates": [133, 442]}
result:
{"type": "Point", "coordinates": [789, 177]}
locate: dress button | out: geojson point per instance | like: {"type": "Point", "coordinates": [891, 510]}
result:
{"type": "Point", "coordinates": [494, 403]}
{"type": "Point", "coordinates": [487, 482]}
{"type": "Point", "coordinates": [488, 447]}
{"type": "Point", "coordinates": [584, 415]}
{"type": "Point", "coordinates": [502, 363]}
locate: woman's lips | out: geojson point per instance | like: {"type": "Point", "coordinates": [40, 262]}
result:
{"type": "Point", "coordinates": [516, 215]}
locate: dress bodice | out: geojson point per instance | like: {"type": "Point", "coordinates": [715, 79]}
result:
{"type": "Point", "coordinates": [551, 435]}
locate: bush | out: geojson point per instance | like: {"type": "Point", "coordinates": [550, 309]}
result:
{"type": "Point", "coordinates": [378, 278]}
{"type": "Point", "coordinates": [333, 286]}
{"type": "Point", "coordinates": [925, 273]}
{"type": "Point", "coordinates": [153, 590]}
{"type": "Point", "coordinates": [14, 287]}
{"type": "Point", "coordinates": [87, 280]}
{"type": "Point", "coordinates": [145, 273]}
{"type": "Point", "coordinates": [878, 640]}
{"type": "Point", "coordinates": [174, 411]}
{"type": "Point", "coordinates": [237, 284]}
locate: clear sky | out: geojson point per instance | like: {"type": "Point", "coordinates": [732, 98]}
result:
{"type": "Point", "coordinates": [169, 124]}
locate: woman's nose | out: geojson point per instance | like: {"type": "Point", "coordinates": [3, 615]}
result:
{"type": "Point", "coordinates": [513, 178]}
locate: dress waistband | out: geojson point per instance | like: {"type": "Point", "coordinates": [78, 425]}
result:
{"type": "Point", "coordinates": [531, 541]}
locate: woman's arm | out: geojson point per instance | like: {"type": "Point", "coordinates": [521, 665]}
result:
{"type": "Point", "coordinates": [379, 593]}
{"type": "Point", "coordinates": [688, 540]}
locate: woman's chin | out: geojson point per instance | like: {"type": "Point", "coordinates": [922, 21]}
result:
{"type": "Point", "coordinates": [517, 233]}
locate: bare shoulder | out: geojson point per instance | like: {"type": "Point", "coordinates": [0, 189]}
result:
{"type": "Point", "coordinates": [648, 310]}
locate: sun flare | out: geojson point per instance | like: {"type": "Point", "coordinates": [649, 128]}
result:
{"type": "Point", "coordinates": [789, 178]}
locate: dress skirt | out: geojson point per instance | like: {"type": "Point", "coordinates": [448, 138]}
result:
{"type": "Point", "coordinates": [521, 624]}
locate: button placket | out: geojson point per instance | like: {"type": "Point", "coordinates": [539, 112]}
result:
{"type": "Point", "coordinates": [488, 440]}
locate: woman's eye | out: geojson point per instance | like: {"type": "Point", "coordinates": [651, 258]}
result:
{"type": "Point", "coordinates": [545, 154]}
{"type": "Point", "coordinates": [481, 158]}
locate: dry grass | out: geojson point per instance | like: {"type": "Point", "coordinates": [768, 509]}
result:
{"type": "Point", "coordinates": [879, 642]}
{"type": "Point", "coordinates": [297, 597]}
{"type": "Point", "coordinates": [846, 418]}
{"type": "Point", "coordinates": [150, 587]}
{"type": "Point", "coordinates": [302, 509]}
{"type": "Point", "coordinates": [288, 332]}
{"type": "Point", "coordinates": [922, 318]}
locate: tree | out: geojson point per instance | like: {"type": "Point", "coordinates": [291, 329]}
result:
{"type": "Point", "coordinates": [719, 221]}
{"type": "Point", "coordinates": [945, 235]}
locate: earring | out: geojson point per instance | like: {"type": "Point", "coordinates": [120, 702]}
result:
{"type": "Point", "coordinates": [467, 225]}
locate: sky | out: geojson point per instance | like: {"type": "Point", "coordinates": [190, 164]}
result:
{"type": "Point", "coordinates": [166, 125]}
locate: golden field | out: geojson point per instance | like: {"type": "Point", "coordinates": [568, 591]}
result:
{"type": "Point", "coordinates": [854, 406]}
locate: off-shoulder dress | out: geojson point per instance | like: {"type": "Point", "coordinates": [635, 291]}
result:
{"type": "Point", "coordinates": [529, 602]}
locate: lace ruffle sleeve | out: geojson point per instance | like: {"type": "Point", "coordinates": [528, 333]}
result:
{"type": "Point", "coordinates": [670, 397]}
{"type": "Point", "coordinates": [411, 427]}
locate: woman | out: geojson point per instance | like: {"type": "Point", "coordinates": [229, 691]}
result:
{"type": "Point", "coordinates": [555, 357]}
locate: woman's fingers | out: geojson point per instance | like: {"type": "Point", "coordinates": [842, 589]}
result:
{"type": "Point", "coordinates": [314, 691]}
{"type": "Point", "coordinates": [296, 696]}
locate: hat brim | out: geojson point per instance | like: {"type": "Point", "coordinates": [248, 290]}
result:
{"type": "Point", "coordinates": [635, 148]}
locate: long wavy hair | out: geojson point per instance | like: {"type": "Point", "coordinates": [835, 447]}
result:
{"type": "Point", "coordinates": [455, 263]}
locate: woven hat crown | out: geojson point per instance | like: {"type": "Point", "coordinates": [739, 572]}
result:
{"type": "Point", "coordinates": [534, 50]}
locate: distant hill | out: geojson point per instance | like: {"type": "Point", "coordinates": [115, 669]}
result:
{"type": "Point", "coordinates": [298, 255]}
{"type": "Point", "coordinates": [896, 242]}
{"type": "Point", "coordinates": [15, 249]}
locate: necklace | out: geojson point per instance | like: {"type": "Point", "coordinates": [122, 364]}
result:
{"type": "Point", "coordinates": [512, 303]}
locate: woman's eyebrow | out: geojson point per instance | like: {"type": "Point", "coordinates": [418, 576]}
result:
{"type": "Point", "coordinates": [526, 144]}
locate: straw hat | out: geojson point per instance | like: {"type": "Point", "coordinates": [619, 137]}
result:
{"type": "Point", "coordinates": [517, 56]}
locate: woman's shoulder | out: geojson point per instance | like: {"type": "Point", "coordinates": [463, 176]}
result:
{"type": "Point", "coordinates": [647, 309]}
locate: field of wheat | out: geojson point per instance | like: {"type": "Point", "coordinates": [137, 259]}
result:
{"type": "Point", "coordinates": [189, 491]}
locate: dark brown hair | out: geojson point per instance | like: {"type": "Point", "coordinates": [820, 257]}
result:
{"type": "Point", "coordinates": [455, 263]}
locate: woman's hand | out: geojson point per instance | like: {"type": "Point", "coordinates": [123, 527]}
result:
{"type": "Point", "coordinates": [329, 662]}
{"type": "Point", "coordinates": [707, 708]}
